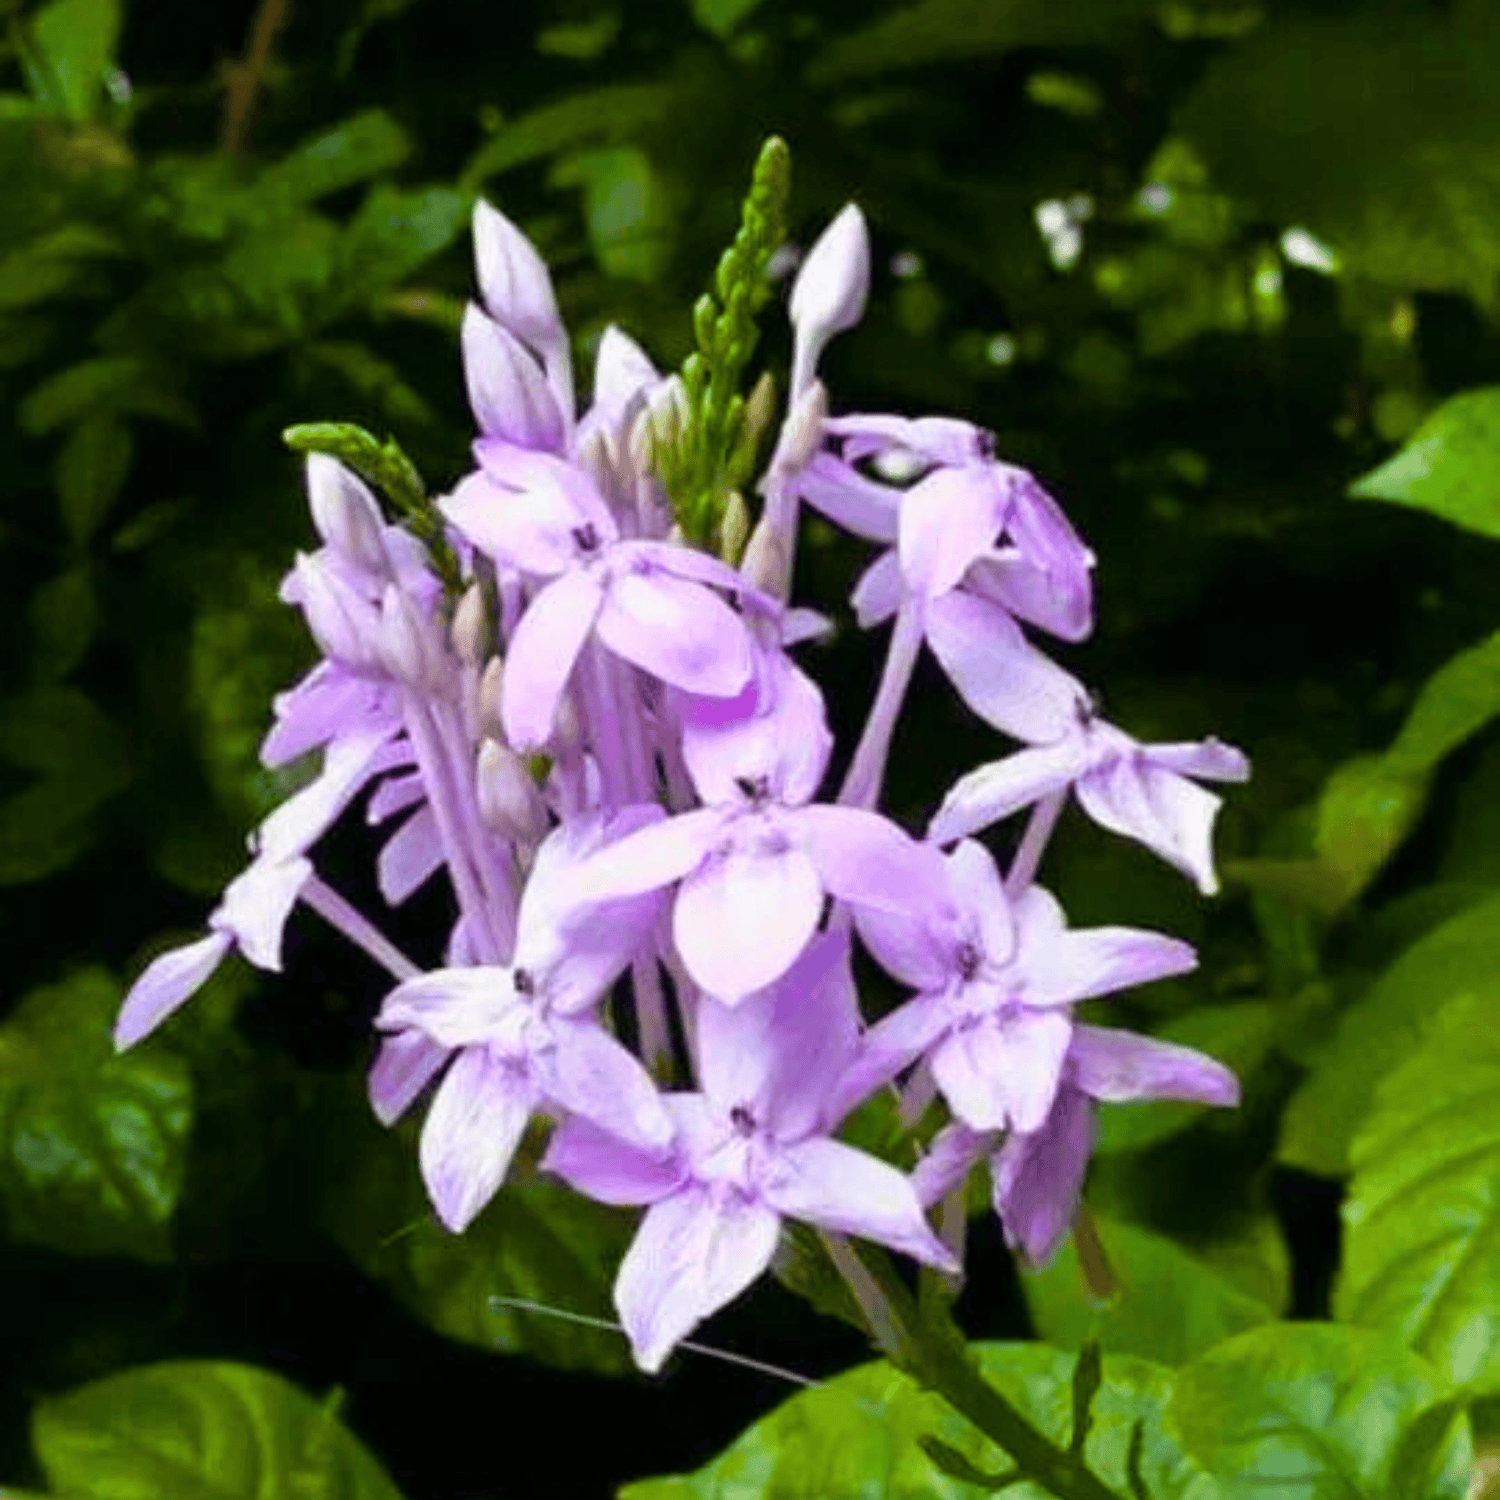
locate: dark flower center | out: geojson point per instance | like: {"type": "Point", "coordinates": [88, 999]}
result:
{"type": "Point", "coordinates": [524, 982]}
{"type": "Point", "coordinates": [742, 1120]}
{"type": "Point", "coordinates": [969, 960]}
{"type": "Point", "coordinates": [586, 538]}
{"type": "Point", "coordinates": [754, 788]}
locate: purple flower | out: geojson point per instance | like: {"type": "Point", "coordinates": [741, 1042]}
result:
{"type": "Point", "coordinates": [525, 1034]}
{"type": "Point", "coordinates": [756, 863]}
{"type": "Point", "coordinates": [1140, 791]}
{"type": "Point", "coordinates": [749, 1150]}
{"type": "Point", "coordinates": [1037, 1176]}
{"type": "Point", "coordinates": [829, 293]}
{"type": "Point", "coordinates": [996, 981]}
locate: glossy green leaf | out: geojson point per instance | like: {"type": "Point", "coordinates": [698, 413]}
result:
{"type": "Point", "coordinates": [92, 467]}
{"type": "Point", "coordinates": [616, 113]}
{"type": "Point", "coordinates": [93, 1143]}
{"type": "Point", "coordinates": [857, 1436]}
{"type": "Point", "coordinates": [1376, 132]}
{"type": "Point", "coordinates": [1238, 1035]}
{"type": "Point", "coordinates": [1422, 1219]}
{"type": "Point", "coordinates": [720, 17]}
{"type": "Point", "coordinates": [202, 1430]}
{"type": "Point", "coordinates": [1455, 703]}
{"type": "Point", "coordinates": [1450, 466]}
{"type": "Point", "coordinates": [1378, 1031]}
{"type": "Point", "coordinates": [1309, 1411]}
{"type": "Point", "coordinates": [1367, 808]}
{"type": "Point", "coordinates": [1170, 1304]}
{"type": "Point", "coordinates": [73, 42]}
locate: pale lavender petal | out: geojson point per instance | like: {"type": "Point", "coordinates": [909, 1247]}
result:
{"type": "Point", "coordinates": [979, 893]}
{"type": "Point", "coordinates": [850, 1192]}
{"type": "Point", "coordinates": [692, 566]}
{"type": "Point", "coordinates": [742, 918]}
{"type": "Point", "coordinates": [455, 1007]}
{"type": "Point", "coordinates": [395, 794]}
{"type": "Point", "coordinates": [348, 763]}
{"type": "Point", "coordinates": [461, 951]}
{"type": "Point", "coordinates": [406, 1063]}
{"type": "Point", "coordinates": [800, 624]}
{"type": "Point", "coordinates": [622, 371]}
{"type": "Point", "coordinates": [848, 498]}
{"type": "Point", "coordinates": [949, 1160]}
{"type": "Point", "coordinates": [693, 1253]}
{"type": "Point", "coordinates": [591, 1074]}
{"type": "Point", "coordinates": [542, 653]}
{"type": "Point", "coordinates": [1038, 1179]}
{"type": "Point", "coordinates": [1061, 607]}
{"type": "Point", "coordinates": [168, 982]}
{"type": "Point", "coordinates": [1170, 815]}
{"type": "Point", "coordinates": [867, 860]}
{"type": "Point", "coordinates": [893, 1043]}
{"type": "Point", "coordinates": [918, 948]}
{"type": "Point", "coordinates": [940, 440]}
{"type": "Point", "coordinates": [256, 906]}
{"type": "Point", "coordinates": [607, 1169]}
{"type": "Point", "coordinates": [508, 391]}
{"type": "Point", "coordinates": [513, 279]}
{"type": "Point", "coordinates": [409, 856]}
{"type": "Point", "coordinates": [998, 672]}
{"type": "Point", "coordinates": [652, 857]}
{"type": "Point", "coordinates": [992, 792]}
{"type": "Point", "coordinates": [784, 739]}
{"type": "Point", "coordinates": [780, 1051]}
{"type": "Point", "coordinates": [677, 631]}
{"type": "Point", "coordinates": [1099, 960]}
{"type": "Point", "coordinates": [331, 701]}
{"type": "Point", "coordinates": [829, 293]}
{"type": "Point", "coordinates": [1208, 760]}
{"type": "Point", "coordinates": [877, 594]}
{"type": "Point", "coordinates": [531, 529]}
{"type": "Point", "coordinates": [1116, 1066]}
{"type": "Point", "coordinates": [1003, 1073]}
{"type": "Point", "coordinates": [473, 1126]}
{"type": "Point", "coordinates": [947, 520]}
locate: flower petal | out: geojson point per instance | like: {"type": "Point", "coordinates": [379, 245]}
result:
{"type": "Point", "coordinates": [348, 763]}
{"type": "Point", "coordinates": [869, 861]}
{"type": "Point", "coordinates": [653, 856]}
{"type": "Point", "coordinates": [848, 498]}
{"type": "Point", "coordinates": [998, 672]}
{"type": "Point", "coordinates": [1208, 760]}
{"type": "Point", "coordinates": [168, 982]}
{"type": "Point", "coordinates": [949, 1160]}
{"type": "Point", "coordinates": [471, 1133]}
{"type": "Point", "coordinates": [979, 893]}
{"type": "Point", "coordinates": [256, 906]}
{"type": "Point", "coordinates": [456, 1007]}
{"type": "Point", "coordinates": [891, 1044]}
{"type": "Point", "coordinates": [622, 372]}
{"type": "Point", "coordinates": [877, 595]}
{"type": "Point", "coordinates": [406, 1063]}
{"type": "Point", "coordinates": [592, 1075]}
{"type": "Point", "coordinates": [1171, 816]}
{"type": "Point", "coordinates": [836, 1187]}
{"type": "Point", "coordinates": [1116, 1066]}
{"type": "Point", "coordinates": [411, 854]}
{"type": "Point", "coordinates": [679, 632]}
{"type": "Point", "coordinates": [1003, 1074]}
{"type": "Point", "coordinates": [542, 653]}
{"type": "Point", "coordinates": [947, 520]}
{"type": "Point", "coordinates": [508, 391]}
{"type": "Point", "coordinates": [607, 1169]}
{"type": "Point", "coordinates": [693, 1252]}
{"type": "Point", "coordinates": [996, 790]}
{"type": "Point", "coordinates": [1038, 1178]}
{"type": "Point", "coordinates": [742, 918]}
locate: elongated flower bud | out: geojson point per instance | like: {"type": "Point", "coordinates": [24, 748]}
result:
{"type": "Point", "coordinates": [508, 391]}
{"type": "Point", "coordinates": [830, 290]}
{"type": "Point", "coordinates": [343, 624]}
{"type": "Point", "coordinates": [470, 629]}
{"type": "Point", "coordinates": [406, 643]}
{"type": "Point", "coordinates": [345, 512]}
{"type": "Point", "coordinates": [513, 280]}
{"type": "Point", "coordinates": [509, 802]}
{"type": "Point", "coordinates": [490, 683]}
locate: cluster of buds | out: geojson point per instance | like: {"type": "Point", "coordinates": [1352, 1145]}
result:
{"type": "Point", "coordinates": [605, 745]}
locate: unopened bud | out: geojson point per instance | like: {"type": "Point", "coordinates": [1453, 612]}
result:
{"type": "Point", "coordinates": [761, 406]}
{"type": "Point", "coordinates": [509, 801]}
{"type": "Point", "coordinates": [659, 426]}
{"type": "Point", "coordinates": [343, 624]}
{"type": "Point", "coordinates": [344, 512]}
{"type": "Point", "coordinates": [734, 527]}
{"type": "Point", "coordinates": [406, 646]}
{"type": "Point", "coordinates": [830, 290]}
{"type": "Point", "coordinates": [508, 391]}
{"type": "Point", "coordinates": [765, 564]}
{"type": "Point", "coordinates": [802, 434]}
{"type": "Point", "coordinates": [622, 373]}
{"type": "Point", "coordinates": [567, 727]}
{"type": "Point", "coordinates": [470, 631]}
{"type": "Point", "coordinates": [599, 457]}
{"type": "Point", "coordinates": [489, 698]}
{"type": "Point", "coordinates": [513, 280]}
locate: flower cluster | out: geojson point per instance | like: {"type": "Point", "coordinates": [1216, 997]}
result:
{"type": "Point", "coordinates": [605, 745]}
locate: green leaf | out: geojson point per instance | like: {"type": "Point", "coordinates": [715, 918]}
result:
{"type": "Point", "coordinates": [73, 42]}
{"type": "Point", "coordinates": [93, 1143]}
{"type": "Point", "coordinates": [1378, 1031]}
{"type": "Point", "coordinates": [720, 17]}
{"type": "Point", "coordinates": [79, 756]}
{"type": "Point", "coordinates": [859, 1436]}
{"type": "Point", "coordinates": [1310, 1411]}
{"type": "Point", "coordinates": [118, 384]}
{"type": "Point", "coordinates": [375, 379]}
{"type": "Point", "coordinates": [365, 146]}
{"type": "Point", "coordinates": [539, 1242]}
{"type": "Point", "coordinates": [615, 114]}
{"type": "Point", "coordinates": [1367, 808]}
{"type": "Point", "coordinates": [92, 467]}
{"type": "Point", "coordinates": [1422, 1225]}
{"type": "Point", "coordinates": [395, 232]}
{"type": "Point", "coordinates": [1377, 132]}
{"type": "Point", "coordinates": [1170, 1306]}
{"type": "Point", "coordinates": [51, 264]}
{"type": "Point", "coordinates": [1238, 1035]}
{"type": "Point", "coordinates": [626, 207]}
{"type": "Point", "coordinates": [1450, 466]}
{"type": "Point", "coordinates": [938, 30]}
{"type": "Point", "coordinates": [64, 615]}
{"type": "Point", "coordinates": [202, 1430]}
{"type": "Point", "coordinates": [1455, 703]}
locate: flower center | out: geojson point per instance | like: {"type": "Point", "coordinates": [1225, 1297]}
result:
{"type": "Point", "coordinates": [968, 959]}
{"type": "Point", "coordinates": [755, 789]}
{"type": "Point", "coordinates": [743, 1120]}
{"type": "Point", "coordinates": [524, 981]}
{"type": "Point", "coordinates": [586, 538]}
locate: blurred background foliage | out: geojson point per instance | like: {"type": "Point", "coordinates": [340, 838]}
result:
{"type": "Point", "coordinates": [1221, 273]}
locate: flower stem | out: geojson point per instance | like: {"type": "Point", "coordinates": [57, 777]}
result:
{"type": "Point", "coordinates": [363, 933]}
{"type": "Point", "coordinates": [1033, 844]}
{"type": "Point", "coordinates": [867, 770]}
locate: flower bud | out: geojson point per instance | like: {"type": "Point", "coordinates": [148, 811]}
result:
{"type": "Point", "coordinates": [509, 801]}
{"type": "Point", "coordinates": [830, 290]}
{"type": "Point", "coordinates": [622, 373]}
{"type": "Point", "coordinates": [407, 646]}
{"type": "Point", "coordinates": [802, 432]}
{"type": "Point", "coordinates": [345, 513]}
{"type": "Point", "coordinates": [599, 457]}
{"type": "Point", "coordinates": [513, 280]}
{"type": "Point", "coordinates": [659, 426]}
{"type": "Point", "coordinates": [343, 624]}
{"type": "Point", "coordinates": [508, 391]}
{"type": "Point", "coordinates": [470, 631]}
{"type": "Point", "coordinates": [765, 564]}
{"type": "Point", "coordinates": [489, 698]}
{"type": "Point", "coordinates": [567, 727]}
{"type": "Point", "coordinates": [734, 527]}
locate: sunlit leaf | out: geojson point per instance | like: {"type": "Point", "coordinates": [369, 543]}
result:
{"type": "Point", "coordinates": [93, 1143]}
{"type": "Point", "coordinates": [1367, 808]}
{"type": "Point", "coordinates": [360, 148]}
{"type": "Point", "coordinates": [73, 42]}
{"type": "Point", "coordinates": [857, 1437]}
{"type": "Point", "coordinates": [202, 1430]}
{"type": "Point", "coordinates": [1311, 1411]}
{"type": "Point", "coordinates": [1422, 1219]}
{"type": "Point", "coordinates": [1450, 466]}
{"type": "Point", "coordinates": [626, 207]}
